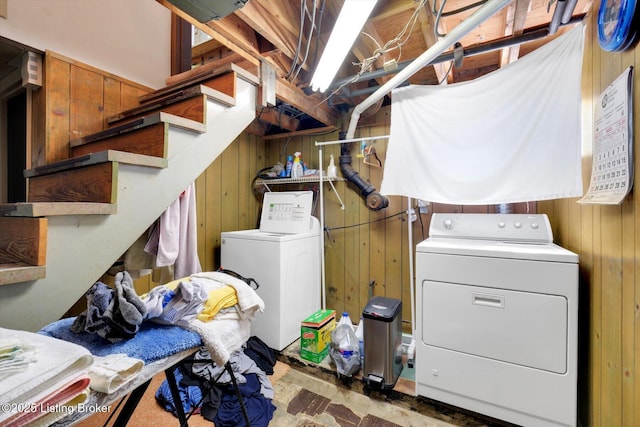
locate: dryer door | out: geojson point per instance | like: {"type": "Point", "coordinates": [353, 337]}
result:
{"type": "Point", "coordinates": [523, 328]}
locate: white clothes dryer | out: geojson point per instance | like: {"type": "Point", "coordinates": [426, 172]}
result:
{"type": "Point", "coordinates": [497, 318]}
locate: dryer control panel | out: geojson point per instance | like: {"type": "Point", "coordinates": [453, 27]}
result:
{"type": "Point", "coordinates": [533, 228]}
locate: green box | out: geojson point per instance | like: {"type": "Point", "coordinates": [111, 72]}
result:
{"type": "Point", "coordinates": [315, 335]}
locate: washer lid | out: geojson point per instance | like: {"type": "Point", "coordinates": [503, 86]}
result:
{"type": "Point", "coordinates": [258, 235]}
{"type": "Point", "coordinates": [497, 249]}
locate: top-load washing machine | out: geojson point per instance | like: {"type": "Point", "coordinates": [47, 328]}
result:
{"type": "Point", "coordinates": [497, 318]}
{"type": "Point", "coordinates": [283, 256]}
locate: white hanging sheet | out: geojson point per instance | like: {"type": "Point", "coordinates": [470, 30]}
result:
{"type": "Point", "coordinates": [510, 136]}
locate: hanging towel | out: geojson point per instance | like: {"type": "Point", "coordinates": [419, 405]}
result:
{"type": "Point", "coordinates": [174, 239]}
{"type": "Point", "coordinates": [510, 136]}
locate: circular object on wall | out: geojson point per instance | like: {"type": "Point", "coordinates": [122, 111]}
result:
{"type": "Point", "coordinates": [618, 24]}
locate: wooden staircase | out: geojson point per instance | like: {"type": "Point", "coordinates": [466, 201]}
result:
{"type": "Point", "coordinates": [83, 213]}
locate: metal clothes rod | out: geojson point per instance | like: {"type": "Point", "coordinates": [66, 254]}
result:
{"type": "Point", "coordinates": [342, 141]}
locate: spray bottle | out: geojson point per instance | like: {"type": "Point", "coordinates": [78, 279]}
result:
{"type": "Point", "coordinates": [332, 171]}
{"type": "Point", "coordinates": [296, 169]}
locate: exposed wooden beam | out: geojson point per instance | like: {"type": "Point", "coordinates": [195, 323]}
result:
{"type": "Point", "coordinates": [277, 118]}
{"type": "Point", "coordinates": [427, 25]}
{"type": "Point", "coordinates": [240, 50]}
{"type": "Point", "coordinates": [313, 105]}
{"type": "Point", "coordinates": [275, 22]}
{"type": "Point", "coordinates": [516, 16]}
{"type": "Point", "coordinates": [314, 131]}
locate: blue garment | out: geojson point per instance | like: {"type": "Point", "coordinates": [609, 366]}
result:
{"type": "Point", "coordinates": [191, 396]}
{"type": "Point", "coordinates": [259, 408]}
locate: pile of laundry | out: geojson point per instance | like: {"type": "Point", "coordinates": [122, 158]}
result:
{"type": "Point", "coordinates": [113, 314]}
{"type": "Point", "coordinates": [192, 303]}
{"type": "Point", "coordinates": [206, 387]}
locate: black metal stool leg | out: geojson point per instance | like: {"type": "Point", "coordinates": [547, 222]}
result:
{"type": "Point", "coordinates": [227, 366]}
{"type": "Point", "coordinates": [175, 393]}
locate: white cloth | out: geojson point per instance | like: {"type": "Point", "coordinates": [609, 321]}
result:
{"type": "Point", "coordinates": [58, 365]}
{"type": "Point", "coordinates": [174, 240]}
{"type": "Point", "coordinates": [510, 136]}
{"type": "Point", "coordinates": [224, 335]}
{"type": "Point", "coordinates": [248, 300]}
{"type": "Point", "coordinates": [109, 373]}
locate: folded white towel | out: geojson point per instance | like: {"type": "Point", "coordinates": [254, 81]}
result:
{"type": "Point", "coordinates": [109, 373]}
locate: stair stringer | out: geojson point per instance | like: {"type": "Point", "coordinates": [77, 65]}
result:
{"type": "Point", "coordinates": [81, 248]}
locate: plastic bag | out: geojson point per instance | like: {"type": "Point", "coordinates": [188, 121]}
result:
{"type": "Point", "coordinates": [344, 350]}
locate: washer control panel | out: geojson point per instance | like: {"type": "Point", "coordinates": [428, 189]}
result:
{"type": "Point", "coordinates": [502, 227]}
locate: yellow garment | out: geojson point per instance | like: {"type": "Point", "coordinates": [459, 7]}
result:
{"type": "Point", "coordinates": [218, 299]}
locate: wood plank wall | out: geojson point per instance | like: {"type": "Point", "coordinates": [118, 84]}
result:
{"type": "Point", "coordinates": [607, 238]}
{"type": "Point", "coordinates": [78, 100]}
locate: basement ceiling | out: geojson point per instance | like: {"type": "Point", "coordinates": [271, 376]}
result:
{"type": "Point", "coordinates": [281, 34]}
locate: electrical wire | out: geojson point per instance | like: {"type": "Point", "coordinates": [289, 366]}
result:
{"type": "Point", "coordinates": [294, 60]}
{"type": "Point", "coordinates": [447, 74]}
{"type": "Point", "coordinates": [327, 229]}
{"type": "Point", "coordinates": [309, 38]}
{"type": "Point", "coordinates": [395, 43]}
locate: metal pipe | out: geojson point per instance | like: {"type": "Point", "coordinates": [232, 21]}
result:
{"type": "Point", "coordinates": [567, 14]}
{"type": "Point", "coordinates": [448, 56]}
{"type": "Point", "coordinates": [481, 15]}
{"type": "Point", "coordinates": [557, 16]}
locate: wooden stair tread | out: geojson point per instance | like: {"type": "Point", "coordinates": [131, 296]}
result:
{"type": "Point", "coordinates": [197, 76]}
{"type": "Point", "coordinates": [20, 272]}
{"type": "Point", "coordinates": [170, 102]}
{"type": "Point", "coordinates": [57, 209]}
{"type": "Point", "coordinates": [96, 158]}
{"type": "Point", "coordinates": [138, 124]}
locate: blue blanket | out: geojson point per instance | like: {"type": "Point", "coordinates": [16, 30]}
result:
{"type": "Point", "coordinates": [152, 342]}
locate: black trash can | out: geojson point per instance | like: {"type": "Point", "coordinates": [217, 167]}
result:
{"type": "Point", "coordinates": [382, 335]}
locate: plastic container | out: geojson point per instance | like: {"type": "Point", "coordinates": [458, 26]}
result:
{"type": "Point", "coordinates": [345, 320]}
{"type": "Point", "coordinates": [296, 169]}
{"type": "Point", "coordinates": [332, 171]}
{"type": "Point", "coordinates": [288, 166]}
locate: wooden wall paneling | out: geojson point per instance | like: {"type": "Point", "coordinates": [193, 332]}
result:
{"type": "Point", "coordinates": [256, 162]}
{"type": "Point", "coordinates": [87, 102]}
{"type": "Point", "coordinates": [57, 122]}
{"type": "Point", "coordinates": [215, 227]}
{"type": "Point", "coordinates": [112, 99]}
{"type": "Point", "coordinates": [476, 209]}
{"type": "Point", "coordinates": [357, 218]}
{"type": "Point", "coordinates": [201, 216]}
{"type": "Point", "coordinates": [595, 282]}
{"type": "Point", "coordinates": [635, 376]}
{"type": "Point", "coordinates": [335, 254]}
{"type": "Point", "coordinates": [247, 168]}
{"type": "Point", "coordinates": [364, 238]}
{"type": "Point", "coordinates": [628, 312]}
{"type": "Point", "coordinates": [611, 253]}
{"type": "Point", "coordinates": [611, 314]}
{"type": "Point", "coordinates": [130, 95]}
{"type": "Point", "coordinates": [229, 196]}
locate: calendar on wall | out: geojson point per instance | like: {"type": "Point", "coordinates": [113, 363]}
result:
{"type": "Point", "coordinates": [612, 170]}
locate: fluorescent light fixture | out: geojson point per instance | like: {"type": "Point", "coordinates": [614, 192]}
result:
{"type": "Point", "coordinates": [351, 19]}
